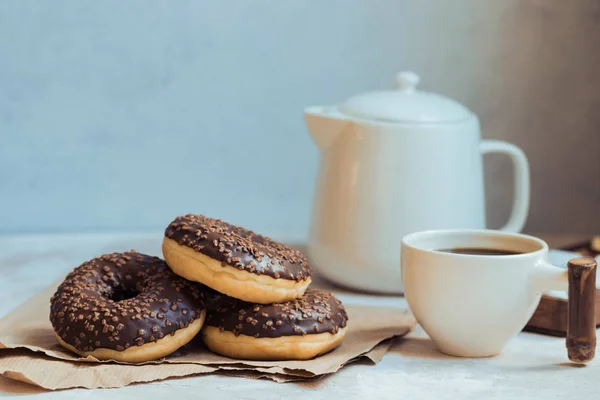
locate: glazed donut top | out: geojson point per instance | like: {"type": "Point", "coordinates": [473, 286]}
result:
{"type": "Point", "coordinates": [315, 312]}
{"type": "Point", "coordinates": [238, 247]}
{"type": "Point", "coordinates": [120, 300]}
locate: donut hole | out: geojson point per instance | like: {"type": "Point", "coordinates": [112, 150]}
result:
{"type": "Point", "coordinates": [121, 293]}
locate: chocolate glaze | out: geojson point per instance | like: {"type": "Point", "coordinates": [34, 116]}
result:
{"type": "Point", "coordinates": [238, 247]}
{"type": "Point", "coordinates": [315, 312]}
{"type": "Point", "coordinates": [120, 300]}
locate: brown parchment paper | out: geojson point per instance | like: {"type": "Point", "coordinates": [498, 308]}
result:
{"type": "Point", "coordinates": [30, 353]}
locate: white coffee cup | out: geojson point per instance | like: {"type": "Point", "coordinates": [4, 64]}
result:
{"type": "Point", "coordinates": [471, 305]}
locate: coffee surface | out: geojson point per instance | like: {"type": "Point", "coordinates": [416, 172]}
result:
{"type": "Point", "coordinates": [479, 251]}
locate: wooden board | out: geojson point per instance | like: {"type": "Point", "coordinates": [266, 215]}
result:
{"type": "Point", "coordinates": [550, 318]}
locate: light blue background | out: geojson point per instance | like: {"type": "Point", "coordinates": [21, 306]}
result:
{"type": "Point", "coordinates": [123, 114]}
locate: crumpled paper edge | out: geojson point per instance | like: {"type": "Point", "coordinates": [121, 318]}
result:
{"type": "Point", "coordinates": [178, 371]}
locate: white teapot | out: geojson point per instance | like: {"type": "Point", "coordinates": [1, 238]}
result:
{"type": "Point", "coordinates": [393, 163]}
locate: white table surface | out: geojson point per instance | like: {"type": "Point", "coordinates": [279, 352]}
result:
{"type": "Point", "coordinates": [531, 367]}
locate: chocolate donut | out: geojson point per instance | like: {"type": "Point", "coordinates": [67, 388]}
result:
{"type": "Point", "coordinates": [299, 329]}
{"type": "Point", "coordinates": [126, 307]}
{"type": "Point", "coordinates": [234, 260]}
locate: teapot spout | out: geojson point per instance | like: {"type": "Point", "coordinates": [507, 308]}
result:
{"type": "Point", "coordinates": [323, 125]}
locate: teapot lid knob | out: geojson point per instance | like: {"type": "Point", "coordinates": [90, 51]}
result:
{"type": "Point", "coordinates": [407, 81]}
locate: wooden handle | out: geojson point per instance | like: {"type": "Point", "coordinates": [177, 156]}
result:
{"type": "Point", "coordinates": [581, 327]}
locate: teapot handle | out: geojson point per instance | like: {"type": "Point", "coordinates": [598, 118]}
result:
{"type": "Point", "coordinates": [520, 207]}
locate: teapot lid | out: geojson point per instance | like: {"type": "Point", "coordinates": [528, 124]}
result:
{"type": "Point", "coordinates": [406, 104]}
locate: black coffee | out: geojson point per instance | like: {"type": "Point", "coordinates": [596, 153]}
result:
{"type": "Point", "coordinates": [480, 251]}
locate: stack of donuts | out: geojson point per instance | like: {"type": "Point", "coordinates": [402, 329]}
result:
{"type": "Point", "coordinates": [246, 295]}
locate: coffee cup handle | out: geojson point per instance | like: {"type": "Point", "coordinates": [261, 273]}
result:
{"type": "Point", "coordinates": [581, 317]}
{"type": "Point", "coordinates": [580, 280]}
